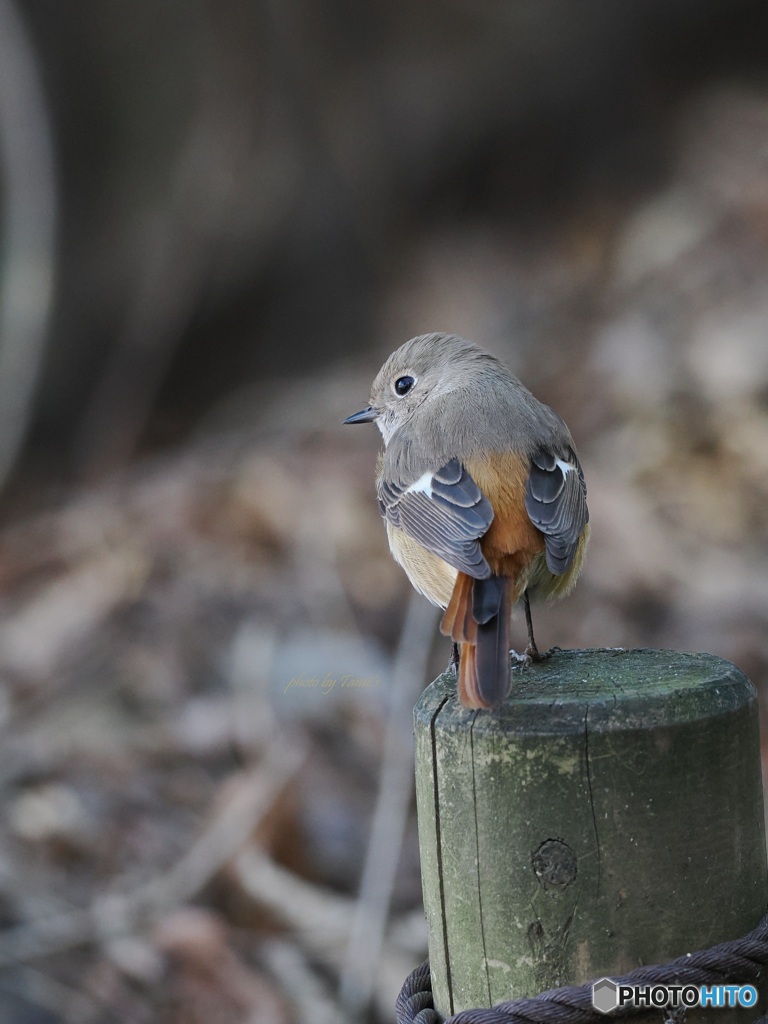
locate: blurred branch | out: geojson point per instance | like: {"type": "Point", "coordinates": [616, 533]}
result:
{"type": "Point", "coordinates": [319, 917]}
{"type": "Point", "coordinates": [160, 309]}
{"type": "Point", "coordinates": [391, 813]}
{"type": "Point", "coordinates": [38, 989]}
{"type": "Point", "coordinates": [122, 913]}
{"type": "Point", "coordinates": [180, 238]}
{"type": "Point", "coordinates": [321, 920]}
{"type": "Point", "coordinates": [254, 796]}
{"type": "Point", "coordinates": [30, 201]}
{"type": "Point", "coordinates": [308, 993]}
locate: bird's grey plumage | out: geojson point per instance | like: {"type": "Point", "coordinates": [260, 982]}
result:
{"type": "Point", "coordinates": [556, 502]}
{"type": "Point", "coordinates": [465, 404]}
{"type": "Point", "coordinates": [448, 516]}
{"type": "Point", "coordinates": [454, 377]}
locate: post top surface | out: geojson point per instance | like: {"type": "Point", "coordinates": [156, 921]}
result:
{"type": "Point", "coordinates": [617, 688]}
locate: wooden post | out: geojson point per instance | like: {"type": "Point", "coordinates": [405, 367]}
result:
{"type": "Point", "coordinates": [609, 815]}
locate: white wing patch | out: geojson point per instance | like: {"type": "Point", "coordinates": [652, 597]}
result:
{"type": "Point", "coordinates": [445, 512]}
{"type": "Point", "coordinates": [421, 486]}
{"type": "Point", "coordinates": [556, 503]}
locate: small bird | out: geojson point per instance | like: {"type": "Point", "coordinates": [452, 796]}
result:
{"type": "Point", "coordinates": [483, 498]}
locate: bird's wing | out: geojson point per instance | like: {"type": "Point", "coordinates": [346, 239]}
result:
{"type": "Point", "coordinates": [556, 502]}
{"type": "Point", "coordinates": [445, 511]}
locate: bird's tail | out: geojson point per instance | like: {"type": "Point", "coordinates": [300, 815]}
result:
{"type": "Point", "coordinates": [477, 617]}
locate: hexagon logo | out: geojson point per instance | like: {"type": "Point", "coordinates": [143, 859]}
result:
{"type": "Point", "coordinates": [604, 995]}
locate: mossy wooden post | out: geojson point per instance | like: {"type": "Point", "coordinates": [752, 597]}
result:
{"type": "Point", "coordinates": [609, 815]}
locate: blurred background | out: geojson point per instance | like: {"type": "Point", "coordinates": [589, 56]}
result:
{"type": "Point", "coordinates": [217, 220]}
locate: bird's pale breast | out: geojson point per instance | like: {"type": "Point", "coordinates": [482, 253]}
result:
{"type": "Point", "coordinates": [428, 573]}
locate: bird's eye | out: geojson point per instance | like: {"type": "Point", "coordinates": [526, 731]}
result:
{"type": "Point", "coordinates": [403, 385]}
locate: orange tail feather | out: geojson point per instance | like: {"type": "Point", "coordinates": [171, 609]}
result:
{"type": "Point", "coordinates": [484, 678]}
{"type": "Point", "coordinates": [457, 621]}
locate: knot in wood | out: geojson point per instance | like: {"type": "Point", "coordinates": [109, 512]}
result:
{"type": "Point", "coordinates": [554, 864]}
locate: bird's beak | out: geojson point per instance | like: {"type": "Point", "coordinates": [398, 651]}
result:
{"type": "Point", "coordinates": [364, 416]}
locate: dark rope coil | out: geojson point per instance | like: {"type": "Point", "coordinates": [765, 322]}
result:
{"type": "Point", "coordinates": [740, 960]}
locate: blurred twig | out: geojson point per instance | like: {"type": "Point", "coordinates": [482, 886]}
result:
{"type": "Point", "coordinates": [255, 795]}
{"type": "Point", "coordinates": [29, 226]}
{"type": "Point", "coordinates": [37, 988]}
{"type": "Point", "coordinates": [320, 920]}
{"type": "Point", "coordinates": [391, 812]}
{"type": "Point", "coordinates": [319, 917]}
{"type": "Point", "coordinates": [179, 236]}
{"type": "Point", "coordinates": [162, 304]}
{"type": "Point", "coordinates": [308, 993]}
{"type": "Point", "coordinates": [121, 913]}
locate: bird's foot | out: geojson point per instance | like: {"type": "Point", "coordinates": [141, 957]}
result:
{"type": "Point", "coordinates": [533, 654]}
{"type": "Point", "coordinates": [530, 656]}
{"type": "Point", "coordinates": [536, 655]}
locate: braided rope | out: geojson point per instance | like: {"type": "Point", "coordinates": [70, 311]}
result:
{"type": "Point", "coordinates": [741, 959]}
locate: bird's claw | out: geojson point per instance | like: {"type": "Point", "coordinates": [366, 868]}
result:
{"type": "Point", "coordinates": [530, 656]}
{"type": "Point", "coordinates": [535, 655]}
